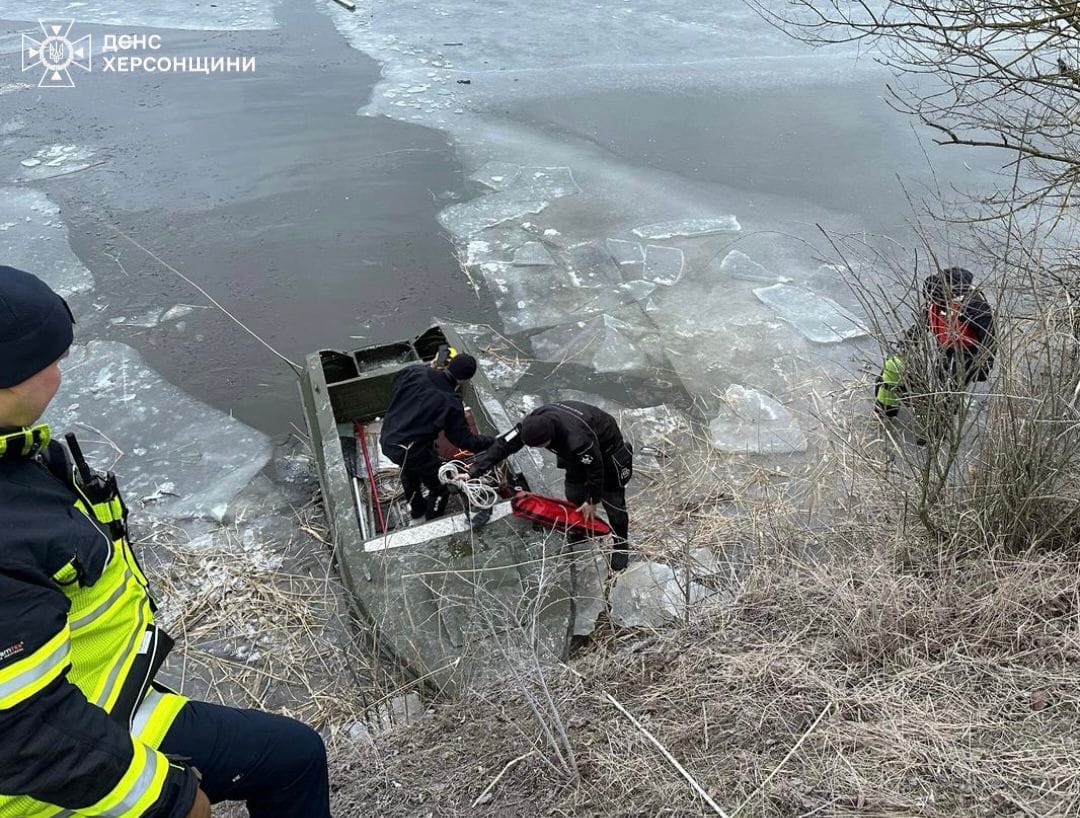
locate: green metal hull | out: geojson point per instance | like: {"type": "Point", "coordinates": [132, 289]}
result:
{"type": "Point", "coordinates": [441, 603]}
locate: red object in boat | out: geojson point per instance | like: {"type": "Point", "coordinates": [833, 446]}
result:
{"type": "Point", "coordinates": [560, 515]}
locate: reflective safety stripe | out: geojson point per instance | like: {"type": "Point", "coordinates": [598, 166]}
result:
{"type": "Point", "coordinates": [113, 682]}
{"type": "Point", "coordinates": [26, 677]}
{"type": "Point", "coordinates": [139, 788]}
{"type": "Point", "coordinates": [155, 716]}
{"type": "Point", "coordinates": [104, 605]}
{"type": "Point", "coordinates": [26, 441]}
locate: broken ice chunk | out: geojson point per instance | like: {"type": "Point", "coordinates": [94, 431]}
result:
{"type": "Point", "coordinates": [591, 571]}
{"type": "Point", "coordinates": [689, 228]}
{"type": "Point", "coordinates": [741, 266]}
{"type": "Point", "coordinates": [533, 191]}
{"type": "Point", "coordinates": [756, 423]}
{"type": "Point", "coordinates": [664, 265]}
{"type": "Point", "coordinates": [468, 218]}
{"type": "Point", "coordinates": [497, 175]}
{"type": "Point", "coordinates": [818, 318]}
{"type": "Point", "coordinates": [600, 342]}
{"type": "Point", "coordinates": [638, 290]}
{"type": "Point", "coordinates": [57, 160]}
{"type": "Point", "coordinates": [625, 252]}
{"type": "Point", "coordinates": [651, 594]}
{"type": "Point", "coordinates": [591, 266]}
{"type": "Point", "coordinates": [179, 311]}
{"type": "Point", "coordinates": [555, 181]}
{"type": "Point", "coordinates": [533, 254]}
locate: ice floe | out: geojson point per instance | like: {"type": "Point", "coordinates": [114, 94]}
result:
{"type": "Point", "coordinates": [651, 595]}
{"type": "Point", "coordinates": [753, 422]}
{"type": "Point", "coordinates": [57, 160]}
{"type": "Point", "coordinates": [664, 265]}
{"type": "Point", "coordinates": [819, 318]}
{"type": "Point", "coordinates": [740, 266]}
{"type": "Point", "coordinates": [34, 238]}
{"type": "Point", "coordinates": [188, 459]}
{"type": "Point", "coordinates": [689, 228]}
{"type": "Point", "coordinates": [604, 343]}
{"type": "Point", "coordinates": [532, 254]}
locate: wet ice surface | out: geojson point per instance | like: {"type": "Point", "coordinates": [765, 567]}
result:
{"type": "Point", "coordinates": [609, 266]}
{"type": "Point", "coordinates": [239, 14]}
{"type": "Point", "coordinates": [818, 318]}
{"type": "Point", "coordinates": [751, 421]}
{"type": "Point", "coordinates": [169, 451]}
{"type": "Point", "coordinates": [34, 237]}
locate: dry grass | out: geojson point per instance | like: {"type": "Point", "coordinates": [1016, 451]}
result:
{"type": "Point", "coordinates": [951, 692]}
{"type": "Point", "coordinates": [869, 684]}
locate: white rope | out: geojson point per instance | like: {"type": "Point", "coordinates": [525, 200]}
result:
{"type": "Point", "coordinates": [479, 492]}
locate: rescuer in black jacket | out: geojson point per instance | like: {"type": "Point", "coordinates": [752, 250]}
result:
{"type": "Point", "coordinates": [591, 450]}
{"type": "Point", "coordinates": [85, 729]}
{"type": "Point", "coordinates": [426, 402]}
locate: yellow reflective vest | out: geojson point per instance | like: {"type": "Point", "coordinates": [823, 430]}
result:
{"type": "Point", "coordinates": [106, 644]}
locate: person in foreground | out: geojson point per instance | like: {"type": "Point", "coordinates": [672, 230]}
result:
{"type": "Point", "coordinates": [87, 731]}
{"type": "Point", "coordinates": [426, 402]}
{"type": "Point", "coordinates": [591, 450]}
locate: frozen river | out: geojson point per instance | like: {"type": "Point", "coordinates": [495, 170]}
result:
{"type": "Point", "coordinates": [634, 189]}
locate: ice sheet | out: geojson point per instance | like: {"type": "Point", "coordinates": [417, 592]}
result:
{"type": "Point", "coordinates": [818, 318]}
{"type": "Point", "coordinates": [34, 238]}
{"type": "Point", "coordinates": [689, 228]}
{"type": "Point", "coordinates": [186, 458]}
{"type": "Point", "coordinates": [754, 422]}
{"type": "Point", "coordinates": [234, 15]}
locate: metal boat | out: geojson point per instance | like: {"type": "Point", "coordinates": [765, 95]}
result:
{"type": "Point", "coordinates": [442, 602]}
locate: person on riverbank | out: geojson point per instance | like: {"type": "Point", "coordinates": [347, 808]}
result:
{"type": "Point", "coordinates": [591, 450]}
{"type": "Point", "coordinates": [958, 323]}
{"type": "Point", "coordinates": [426, 402]}
{"type": "Point", "coordinates": [87, 730]}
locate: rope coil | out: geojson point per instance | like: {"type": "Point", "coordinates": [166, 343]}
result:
{"type": "Point", "coordinates": [477, 490]}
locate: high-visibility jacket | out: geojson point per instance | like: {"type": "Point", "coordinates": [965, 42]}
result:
{"type": "Point", "coordinates": [80, 716]}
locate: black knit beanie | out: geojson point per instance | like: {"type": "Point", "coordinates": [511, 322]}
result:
{"type": "Point", "coordinates": [462, 367]}
{"type": "Point", "coordinates": [35, 326]}
{"type": "Point", "coordinates": [536, 430]}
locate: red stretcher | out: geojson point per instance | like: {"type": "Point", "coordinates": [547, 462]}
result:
{"type": "Point", "coordinates": [558, 515]}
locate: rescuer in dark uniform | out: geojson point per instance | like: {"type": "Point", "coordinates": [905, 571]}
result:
{"type": "Point", "coordinates": [86, 729]}
{"type": "Point", "coordinates": [590, 448]}
{"type": "Point", "coordinates": [959, 324]}
{"type": "Point", "coordinates": [426, 402]}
